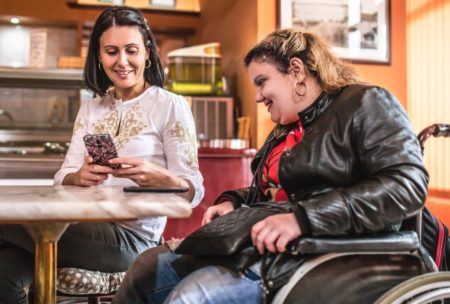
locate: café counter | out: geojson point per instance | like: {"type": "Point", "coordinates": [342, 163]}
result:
{"type": "Point", "coordinates": [222, 169]}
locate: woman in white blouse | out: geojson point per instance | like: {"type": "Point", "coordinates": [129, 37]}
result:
{"type": "Point", "coordinates": [154, 134]}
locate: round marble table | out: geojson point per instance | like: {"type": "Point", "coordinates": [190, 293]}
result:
{"type": "Point", "coordinates": [46, 211]}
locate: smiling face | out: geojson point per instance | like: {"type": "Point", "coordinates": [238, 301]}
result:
{"type": "Point", "coordinates": [275, 90]}
{"type": "Point", "coordinates": [123, 56]}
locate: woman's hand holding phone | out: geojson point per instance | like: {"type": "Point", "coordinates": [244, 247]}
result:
{"type": "Point", "coordinates": [147, 174]}
{"type": "Point", "coordinates": [101, 148]}
{"type": "Point", "coordinates": [89, 174]}
{"type": "Point", "coordinates": [142, 172]}
{"type": "Point", "coordinates": [96, 166]}
{"type": "Point", "coordinates": [95, 174]}
{"type": "Point", "coordinates": [103, 160]}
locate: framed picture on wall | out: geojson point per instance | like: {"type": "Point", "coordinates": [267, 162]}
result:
{"type": "Point", "coordinates": [357, 30]}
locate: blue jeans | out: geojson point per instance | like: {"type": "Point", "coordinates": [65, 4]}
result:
{"type": "Point", "coordinates": [157, 276]}
{"type": "Point", "coordinates": [96, 246]}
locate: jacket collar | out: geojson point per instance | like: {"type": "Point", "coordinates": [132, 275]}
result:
{"type": "Point", "coordinates": [308, 115]}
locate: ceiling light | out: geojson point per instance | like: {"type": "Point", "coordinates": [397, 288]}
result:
{"type": "Point", "coordinates": [14, 20]}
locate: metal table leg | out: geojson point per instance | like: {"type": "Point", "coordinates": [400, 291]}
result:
{"type": "Point", "coordinates": [45, 236]}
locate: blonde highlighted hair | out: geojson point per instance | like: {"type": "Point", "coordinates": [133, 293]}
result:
{"type": "Point", "coordinates": [282, 45]}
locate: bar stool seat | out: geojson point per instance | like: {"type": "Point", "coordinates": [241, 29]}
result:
{"type": "Point", "coordinates": [96, 286]}
{"type": "Point", "coordinates": [76, 281]}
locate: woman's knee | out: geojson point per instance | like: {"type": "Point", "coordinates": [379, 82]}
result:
{"type": "Point", "coordinates": [150, 272]}
{"type": "Point", "coordinates": [215, 284]}
{"type": "Point", "coordinates": [100, 246]}
{"type": "Point", "coordinates": [16, 273]}
{"type": "Point", "coordinates": [17, 235]}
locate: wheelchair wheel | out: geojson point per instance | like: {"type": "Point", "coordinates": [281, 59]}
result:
{"type": "Point", "coordinates": [426, 288]}
{"type": "Point", "coordinates": [348, 278]}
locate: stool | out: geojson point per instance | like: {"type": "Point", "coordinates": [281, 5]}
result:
{"type": "Point", "coordinates": [97, 286]}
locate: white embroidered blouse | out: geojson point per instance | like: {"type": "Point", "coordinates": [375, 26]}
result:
{"type": "Point", "coordinates": [157, 126]}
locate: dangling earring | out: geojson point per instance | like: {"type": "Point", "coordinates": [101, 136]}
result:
{"type": "Point", "coordinates": [300, 84]}
{"type": "Point", "coordinates": [148, 63]}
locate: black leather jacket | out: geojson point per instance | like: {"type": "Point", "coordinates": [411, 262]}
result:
{"type": "Point", "coordinates": [357, 169]}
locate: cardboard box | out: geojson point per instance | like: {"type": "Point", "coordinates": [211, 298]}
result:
{"type": "Point", "coordinates": [138, 3]}
{"type": "Point", "coordinates": [71, 62]}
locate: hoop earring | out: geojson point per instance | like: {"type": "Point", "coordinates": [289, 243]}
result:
{"type": "Point", "coordinates": [148, 63]}
{"type": "Point", "coordinates": [301, 84]}
{"type": "Point", "coordinates": [99, 65]}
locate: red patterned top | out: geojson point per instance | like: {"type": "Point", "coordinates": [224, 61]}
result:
{"type": "Point", "coordinates": [270, 183]}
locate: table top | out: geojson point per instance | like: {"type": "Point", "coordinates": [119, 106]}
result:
{"type": "Point", "coordinates": [22, 204]}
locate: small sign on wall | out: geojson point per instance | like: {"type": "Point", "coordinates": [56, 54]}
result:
{"type": "Point", "coordinates": [38, 48]}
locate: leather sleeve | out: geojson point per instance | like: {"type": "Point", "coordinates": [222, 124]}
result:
{"type": "Point", "coordinates": [237, 196]}
{"type": "Point", "coordinates": [393, 182]}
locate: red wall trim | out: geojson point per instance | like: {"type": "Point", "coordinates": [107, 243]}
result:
{"type": "Point", "coordinates": [439, 193]}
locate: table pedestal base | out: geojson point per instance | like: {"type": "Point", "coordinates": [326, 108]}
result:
{"type": "Point", "coordinates": [45, 236]}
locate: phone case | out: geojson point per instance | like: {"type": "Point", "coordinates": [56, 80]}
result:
{"type": "Point", "coordinates": [101, 148]}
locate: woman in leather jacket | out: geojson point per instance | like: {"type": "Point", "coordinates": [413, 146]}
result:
{"type": "Point", "coordinates": [342, 152]}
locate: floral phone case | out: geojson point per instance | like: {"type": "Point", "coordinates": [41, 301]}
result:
{"type": "Point", "coordinates": [101, 148]}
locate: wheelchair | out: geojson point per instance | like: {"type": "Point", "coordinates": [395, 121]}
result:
{"type": "Point", "coordinates": [386, 268]}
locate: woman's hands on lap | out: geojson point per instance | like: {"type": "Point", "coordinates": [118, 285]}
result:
{"type": "Point", "coordinates": [217, 210]}
{"type": "Point", "coordinates": [275, 232]}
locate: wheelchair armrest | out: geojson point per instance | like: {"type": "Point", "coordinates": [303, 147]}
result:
{"type": "Point", "coordinates": [386, 242]}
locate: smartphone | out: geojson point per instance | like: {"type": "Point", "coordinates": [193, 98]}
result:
{"type": "Point", "coordinates": [155, 189]}
{"type": "Point", "coordinates": [101, 148]}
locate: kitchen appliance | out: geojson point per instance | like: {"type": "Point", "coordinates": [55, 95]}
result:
{"type": "Point", "coordinates": [213, 116]}
{"type": "Point", "coordinates": [195, 70]}
{"type": "Point", "coordinates": [37, 112]}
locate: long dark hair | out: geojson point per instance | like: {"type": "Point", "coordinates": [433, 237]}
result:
{"type": "Point", "coordinates": [94, 77]}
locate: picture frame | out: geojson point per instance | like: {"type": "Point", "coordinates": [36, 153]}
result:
{"type": "Point", "coordinates": [357, 30]}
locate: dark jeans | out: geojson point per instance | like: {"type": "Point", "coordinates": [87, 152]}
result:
{"type": "Point", "coordinates": [103, 247]}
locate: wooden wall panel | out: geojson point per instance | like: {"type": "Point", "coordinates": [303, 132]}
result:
{"type": "Point", "coordinates": [428, 58]}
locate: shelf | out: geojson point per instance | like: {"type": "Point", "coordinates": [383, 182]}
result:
{"type": "Point", "coordinates": [30, 135]}
{"type": "Point", "coordinates": [41, 78]}
{"type": "Point", "coordinates": [144, 9]}
{"type": "Point", "coordinates": [165, 21]}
